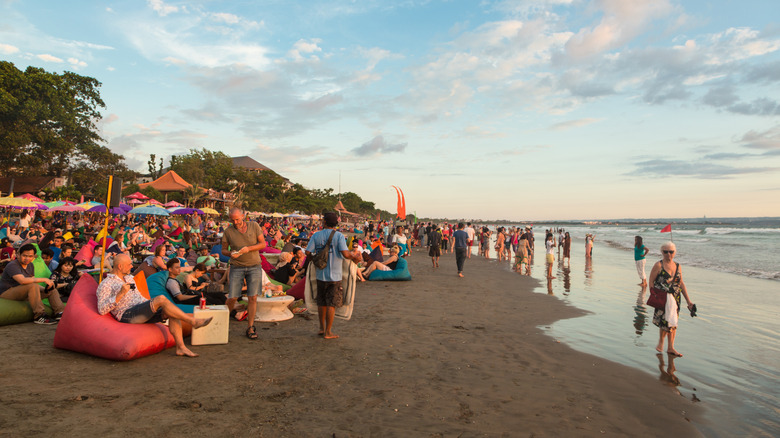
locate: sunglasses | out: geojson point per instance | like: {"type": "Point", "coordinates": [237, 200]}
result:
{"type": "Point", "coordinates": [666, 251]}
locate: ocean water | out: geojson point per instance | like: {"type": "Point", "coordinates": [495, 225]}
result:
{"type": "Point", "coordinates": [731, 363]}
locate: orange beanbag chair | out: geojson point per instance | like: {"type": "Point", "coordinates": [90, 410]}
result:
{"type": "Point", "coordinates": [84, 330]}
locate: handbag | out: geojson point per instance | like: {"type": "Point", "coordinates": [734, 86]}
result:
{"type": "Point", "coordinates": [657, 298]}
{"type": "Point", "coordinates": [320, 259]}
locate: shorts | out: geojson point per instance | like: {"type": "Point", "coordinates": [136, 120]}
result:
{"type": "Point", "coordinates": [550, 258]}
{"type": "Point", "coordinates": [329, 293]}
{"type": "Point", "coordinates": [253, 276]}
{"type": "Point", "coordinates": [142, 314]}
{"type": "Point", "coordinates": [435, 251]}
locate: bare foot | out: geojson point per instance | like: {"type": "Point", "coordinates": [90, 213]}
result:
{"type": "Point", "coordinates": [674, 353]}
{"type": "Point", "coordinates": [198, 323]}
{"type": "Point", "coordinates": [551, 278]}
{"type": "Point", "coordinates": [660, 348]}
{"type": "Point", "coordinates": [321, 332]}
{"type": "Point", "coordinates": [184, 351]}
{"type": "Point", "coordinates": [460, 274]}
{"type": "Point", "coordinates": [330, 336]}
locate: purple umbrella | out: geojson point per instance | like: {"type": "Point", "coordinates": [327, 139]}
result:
{"type": "Point", "coordinates": [125, 207]}
{"type": "Point", "coordinates": [102, 209]}
{"type": "Point", "coordinates": [186, 211]}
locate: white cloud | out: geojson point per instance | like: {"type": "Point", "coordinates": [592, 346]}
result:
{"type": "Point", "coordinates": [562, 126]}
{"type": "Point", "coordinates": [304, 47]}
{"type": "Point", "coordinates": [7, 49]}
{"type": "Point", "coordinates": [621, 22]}
{"type": "Point", "coordinates": [76, 63]}
{"type": "Point", "coordinates": [161, 8]}
{"type": "Point", "coordinates": [48, 58]}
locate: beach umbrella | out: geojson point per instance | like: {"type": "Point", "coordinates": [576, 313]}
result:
{"type": "Point", "coordinates": [277, 215]}
{"type": "Point", "coordinates": [154, 202]}
{"type": "Point", "coordinates": [207, 210]}
{"type": "Point", "coordinates": [102, 209]}
{"type": "Point", "coordinates": [135, 201]}
{"type": "Point", "coordinates": [185, 210]}
{"type": "Point", "coordinates": [88, 205]}
{"type": "Point", "coordinates": [170, 204]}
{"type": "Point", "coordinates": [17, 202]}
{"type": "Point", "coordinates": [138, 196]}
{"type": "Point", "coordinates": [67, 208]}
{"type": "Point", "coordinates": [157, 211]}
{"type": "Point", "coordinates": [125, 207]}
{"type": "Point", "coordinates": [41, 206]}
{"type": "Point", "coordinates": [31, 197]}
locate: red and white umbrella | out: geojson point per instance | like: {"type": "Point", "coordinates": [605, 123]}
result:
{"type": "Point", "coordinates": [137, 195]}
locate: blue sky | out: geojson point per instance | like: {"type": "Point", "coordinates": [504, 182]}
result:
{"type": "Point", "coordinates": [523, 110]}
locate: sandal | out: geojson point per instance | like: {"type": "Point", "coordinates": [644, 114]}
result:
{"type": "Point", "coordinates": [251, 332]}
{"type": "Point", "coordinates": [239, 315]}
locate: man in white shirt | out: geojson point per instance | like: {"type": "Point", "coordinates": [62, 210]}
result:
{"type": "Point", "coordinates": [471, 232]}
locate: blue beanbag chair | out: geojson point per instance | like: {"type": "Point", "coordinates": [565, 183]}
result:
{"type": "Point", "coordinates": [217, 249]}
{"type": "Point", "coordinates": [156, 283]}
{"type": "Point", "coordinates": [400, 273]}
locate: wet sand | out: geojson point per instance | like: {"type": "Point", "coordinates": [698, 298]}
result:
{"type": "Point", "coordinates": [437, 356]}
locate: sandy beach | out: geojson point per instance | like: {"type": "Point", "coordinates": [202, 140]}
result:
{"type": "Point", "coordinates": [437, 356]}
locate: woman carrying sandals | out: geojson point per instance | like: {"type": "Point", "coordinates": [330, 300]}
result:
{"type": "Point", "coordinates": [667, 276]}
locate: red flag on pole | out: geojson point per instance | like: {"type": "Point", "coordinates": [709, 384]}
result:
{"type": "Point", "coordinates": [667, 229]}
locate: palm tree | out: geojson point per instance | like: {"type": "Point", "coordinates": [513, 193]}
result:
{"type": "Point", "coordinates": [193, 193]}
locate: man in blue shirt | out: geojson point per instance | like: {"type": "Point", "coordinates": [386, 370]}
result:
{"type": "Point", "coordinates": [461, 247]}
{"type": "Point", "coordinates": [329, 291]}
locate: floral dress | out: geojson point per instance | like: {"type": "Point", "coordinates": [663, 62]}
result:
{"type": "Point", "coordinates": [673, 290]}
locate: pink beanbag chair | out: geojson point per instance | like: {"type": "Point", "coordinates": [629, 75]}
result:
{"type": "Point", "coordinates": [86, 253]}
{"type": "Point", "coordinates": [84, 330]}
{"type": "Point", "coordinates": [297, 291]}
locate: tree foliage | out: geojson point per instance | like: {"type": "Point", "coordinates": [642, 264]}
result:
{"type": "Point", "coordinates": [48, 127]}
{"type": "Point", "coordinates": [47, 120]}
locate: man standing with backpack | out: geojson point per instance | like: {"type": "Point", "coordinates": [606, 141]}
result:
{"type": "Point", "coordinates": [329, 291]}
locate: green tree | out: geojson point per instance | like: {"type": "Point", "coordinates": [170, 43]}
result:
{"type": "Point", "coordinates": [69, 193]}
{"type": "Point", "coordinates": [153, 193]}
{"type": "Point", "coordinates": [47, 120]}
{"type": "Point", "coordinates": [155, 170]}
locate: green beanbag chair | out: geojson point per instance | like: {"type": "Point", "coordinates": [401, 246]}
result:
{"type": "Point", "coordinates": [17, 312]}
{"type": "Point", "coordinates": [400, 273]}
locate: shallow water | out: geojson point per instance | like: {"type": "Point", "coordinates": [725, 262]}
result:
{"type": "Point", "coordinates": [731, 350]}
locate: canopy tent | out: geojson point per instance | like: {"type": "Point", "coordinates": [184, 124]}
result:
{"type": "Point", "coordinates": [169, 182]}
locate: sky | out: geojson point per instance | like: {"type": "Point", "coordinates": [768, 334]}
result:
{"type": "Point", "coordinates": [520, 110]}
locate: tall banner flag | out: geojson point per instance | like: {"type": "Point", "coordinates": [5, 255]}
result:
{"type": "Point", "coordinates": [401, 207]}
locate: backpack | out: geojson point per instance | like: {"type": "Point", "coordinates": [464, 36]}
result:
{"type": "Point", "coordinates": [320, 260]}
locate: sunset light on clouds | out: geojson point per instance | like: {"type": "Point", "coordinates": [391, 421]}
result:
{"type": "Point", "coordinates": [522, 110]}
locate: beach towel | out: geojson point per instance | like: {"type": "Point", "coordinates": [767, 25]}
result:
{"type": "Point", "coordinates": [348, 284]}
{"type": "Point", "coordinates": [670, 312]}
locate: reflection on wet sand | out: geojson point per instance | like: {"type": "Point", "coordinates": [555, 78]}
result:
{"type": "Point", "coordinates": [589, 271]}
{"type": "Point", "coordinates": [565, 271]}
{"type": "Point", "coordinates": [667, 375]}
{"type": "Point", "coordinates": [640, 312]}
{"type": "Point", "coordinates": [549, 286]}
